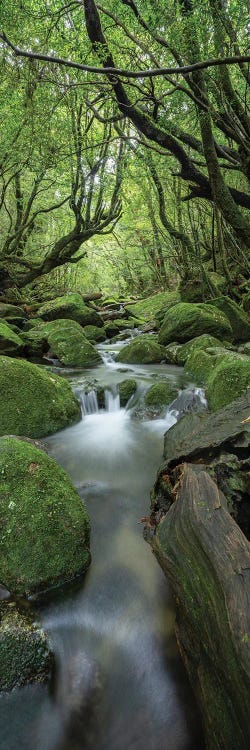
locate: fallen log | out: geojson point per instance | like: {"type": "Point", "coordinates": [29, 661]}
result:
{"type": "Point", "coordinates": [206, 557]}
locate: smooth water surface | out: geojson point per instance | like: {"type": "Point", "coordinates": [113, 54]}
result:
{"type": "Point", "coordinates": [120, 684]}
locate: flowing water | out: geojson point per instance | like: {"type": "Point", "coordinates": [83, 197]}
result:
{"type": "Point", "coordinates": [120, 683]}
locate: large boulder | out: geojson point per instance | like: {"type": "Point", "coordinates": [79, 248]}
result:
{"type": "Point", "coordinates": [34, 402]}
{"type": "Point", "coordinates": [236, 316]}
{"type": "Point", "coordinates": [66, 341]}
{"type": "Point", "coordinates": [185, 321]}
{"type": "Point", "coordinates": [148, 309]}
{"type": "Point", "coordinates": [219, 442]}
{"type": "Point", "coordinates": [141, 350]}
{"type": "Point", "coordinates": [10, 342]}
{"type": "Point", "coordinates": [229, 379]}
{"type": "Point", "coordinates": [25, 653]}
{"type": "Point", "coordinates": [44, 524]}
{"type": "Point", "coordinates": [94, 334]}
{"type": "Point", "coordinates": [70, 306]}
{"type": "Point", "coordinates": [11, 311]}
{"type": "Point", "coordinates": [202, 342]}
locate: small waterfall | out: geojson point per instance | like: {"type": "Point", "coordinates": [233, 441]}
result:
{"type": "Point", "coordinates": [89, 403]}
{"type": "Point", "coordinates": [112, 400]}
{"type": "Point", "coordinates": [189, 400]}
{"type": "Point", "coordinates": [108, 358]}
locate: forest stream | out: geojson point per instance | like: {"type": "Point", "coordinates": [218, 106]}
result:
{"type": "Point", "coordinates": [120, 683]}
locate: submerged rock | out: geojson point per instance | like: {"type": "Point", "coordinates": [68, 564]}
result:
{"type": "Point", "coordinates": [186, 321]}
{"type": "Point", "coordinates": [141, 350]}
{"type": "Point", "coordinates": [44, 524]}
{"type": "Point", "coordinates": [25, 653]}
{"type": "Point", "coordinates": [34, 402]}
{"type": "Point", "coordinates": [70, 306]}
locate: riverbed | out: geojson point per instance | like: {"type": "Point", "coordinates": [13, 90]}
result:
{"type": "Point", "coordinates": [119, 682]}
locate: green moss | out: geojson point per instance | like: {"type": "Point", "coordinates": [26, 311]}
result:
{"type": "Point", "coordinates": [200, 342]}
{"type": "Point", "coordinates": [70, 306]}
{"type": "Point", "coordinates": [44, 525]}
{"type": "Point", "coordinates": [148, 308]}
{"type": "Point", "coordinates": [94, 334]}
{"type": "Point", "coordinates": [171, 353]}
{"type": "Point", "coordinates": [236, 316]}
{"type": "Point", "coordinates": [199, 364]}
{"type": "Point", "coordinates": [229, 379]}
{"type": "Point", "coordinates": [185, 321]}
{"type": "Point", "coordinates": [126, 389]}
{"type": "Point", "coordinates": [34, 402]}
{"type": "Point", "coordinates": [111, 328]}
{"type": "Point", "coordinates": [67, 342]}
{"type": "Point", "coordinates": [161, 394]}
{"type": "Point", "coordinates": [10, 342]}
{"type": "Point", "coordinates": [142, 350]}
{"type": "Point", "coordinates": [12, 311]}
{"type": "Point", "coordinates": [246, 302]}
{"type": "Point", "coordinates": [25, 654]}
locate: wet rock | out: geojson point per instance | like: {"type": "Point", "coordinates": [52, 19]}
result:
{"type": "Point", "coordinates": [143, 349]}
{"type": "Point", "coordinates": [70, 306]}
{"type": "Point", "coordinates": [35, 402]}
{"type": "Point", "coordinates": [127, 389]}
{"type": "Point", "coordinates": [25, 652]}
{"type": "Point", "coordinates": [44, 524]}
{"type": "Point", "coordinates": [186, 321]}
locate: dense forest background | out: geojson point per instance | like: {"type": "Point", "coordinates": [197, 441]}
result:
{"type": "Point", "coordinates": [128, 181]}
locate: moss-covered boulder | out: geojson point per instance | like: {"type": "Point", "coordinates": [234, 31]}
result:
{"type": "Point", "coordinates": [200, 342]}
{"type": "Point", "coordinates": [229, 379]}
{"type": "Point", "coordinates": [185, 321]}
{"type": "Point", "coordinates": [141, 350]}
{"type": "Point", "coordinates": [11, 311]}
{"type": "Point", "coordinates": [127, 389]}
{"type": "Point", "coordinates": [10, 342]}
{"type": "Point", "coordinates": [171, 352]}
{"type": "Point", "coordinates": [70, 306]}
{"type": "Point", "coordinates": [25, 653]}
{"type": "Point", "coordinates": [161, 394]}
{"type": "Point", "coordinates": [94, 334]}
{"type": "Point", "coordinates": [111, 329]}
{"type": "Point", "coordinates": [236, 316]}
{"type": "Point", "coordinates": [200, 364]}
{"type": "Point", "coordinates": [66, 341]}
{"type": "Point", "coordinates": [44, 524]}
{"type": "Point", "coordinates": [148, 309]}
{"type": "Point", "coordinates": [34, 402]}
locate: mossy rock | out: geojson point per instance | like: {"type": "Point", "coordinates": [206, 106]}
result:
{"type": "Point", "coordinates": [236, 316]}
{"type": "Point", "coordinates": [111, 329]}
{"type": "Point", "coordinates": [25, 652]}
{"type": "Point", "coordinates": [34, 402]}
{"type": "Point", "coordinates": [66, 341]}
{"type": "Point", "coordinates": [32, 323]}
{"type": "Point", "coordinates": [70, 306]}
{"type": "Point", "coordinates": [10, 342]}
{"type": "Point", "coordinates": [161, 394]}
{"type": "Point", "coordinates": [200, 364]}
{"type": "Point", "coordinates": [11, 311]}
{"type": "Point", "coordinates": [44, 524]}
{"type": "Point", "coordinates": [200, 342]}
{"type": "Point", "coordinates": [228, 380]}
{"type": "Point", "coordinates": [124, 324]}
{"type": "Point", "coordinates": [171, 353]}
{"type": "Point", "coordinates": [149, 308]}
{"type": "Point", "coordinates": [127, 389]}
{"type": "Point", "coordinates": [141, 350]}
{"type": "Point", "coordinates": [94, 334]}
{"type": "Point", "coordinates": [186, 321]}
